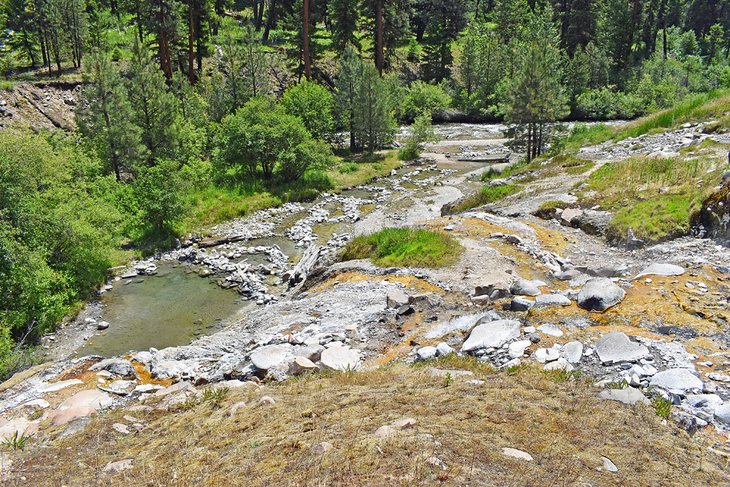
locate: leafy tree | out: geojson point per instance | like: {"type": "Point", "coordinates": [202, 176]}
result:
{"type": "Point", "coordinates": [424, 98]}
{"type": "Point", "coordinates": [261, 139]}
{"type": "Point", "coordinates": [313, 104]}
{"type": "Point", "coordinates": [349, 72]}
{"type": "Point", "coordinates": [160, 192]}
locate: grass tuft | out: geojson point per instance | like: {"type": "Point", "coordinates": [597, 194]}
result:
{"type": "Point", "coordinates": [404, 247]}
{"type": "Point", "coordinates": [488, 194]}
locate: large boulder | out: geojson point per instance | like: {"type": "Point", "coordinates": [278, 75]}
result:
{"type": "Point", "coordinates": [90, 398]}
{"type": "Point", "coordinates": [117, 366]}
{"type": "Point", "coordinates": [492, 334]}
{"type": "Point", "coordinates": [271, 356]}
{"type": "Point", "coordinates": [523, 287]}
{"type": "Point", "coordinates": [340, 358]}
{"type": "Point", "coordinates": [676, 381]}
{"type": "Point", "coordinates": [599, 294]}
{"type": "Point", "coordinates": [616, 347]}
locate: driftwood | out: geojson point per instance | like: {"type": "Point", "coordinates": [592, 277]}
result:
{"type": "Point", "coordinates": [300, 272]}
{"type": "Point", "coordinates": [221, 241]}
{"type": "Point", "coordinates": [492, 158]}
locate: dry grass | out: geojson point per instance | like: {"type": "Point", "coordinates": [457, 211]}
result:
{"type": "Point", "coordinates": [560, 423]}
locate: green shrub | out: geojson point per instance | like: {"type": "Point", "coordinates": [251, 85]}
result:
{"type": "Point", "coordinates": [488, 194]}
{"type": "Point", "coordinates": [405, 247]}
{"type": "Point", "coordinates": [348, 167]}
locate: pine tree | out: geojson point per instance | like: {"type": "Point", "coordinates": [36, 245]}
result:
{"type": "Point", "coordinates": [374, 122]}
{"type": "Point", "coordinates": [349, 71]}
{"type": "Point", "coordinates": [343, 16]}
{"type": "Point", "coordinates": [105, 118]}
{"type": "Point", "coordinates": [536, 96]}
{"type": "Point", "coordinates": [155, 107]}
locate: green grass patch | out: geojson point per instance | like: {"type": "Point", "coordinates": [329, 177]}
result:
{"type": "Point", "coordinates": [653, 197]}
{"type": "Point", "coordinates": [547, 209]}
{"type": "Point", "coordinates": [404, 247]}
{"type": "Point", "coordinates": [488, 194]}
{"type": "Point", "coordinates": [362, 168]}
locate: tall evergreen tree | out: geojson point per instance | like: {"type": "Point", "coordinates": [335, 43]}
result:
{"type": "Point", "coordinates": [105, 118]}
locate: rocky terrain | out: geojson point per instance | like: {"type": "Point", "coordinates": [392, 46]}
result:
{"type": "Point", "coordinates": [39, 106]}
{"type": "Point", "coordinates": [645, 328]}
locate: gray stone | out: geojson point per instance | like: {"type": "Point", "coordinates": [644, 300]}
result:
{"type": "Point", "coordinates": [569, 215]}
{"type": "Point", "coordinates": [547, 300]}
{"type": "Point", "coordinates": [102, 325]}
{"type": "Point", "coordinates": [616, 347]}
{"type": "Point", "coordinates": [550, 329]}
{"type": "Point", "coordinates": [599, 294]}
{"type": "Point", "coordinates": [627, 395]}
{"type": "Point", "coordinates": [426, 353]}
{"type": "Point", "coordinates": [267, 401]}
{"type": "Point", "coordinates": [515, 453]}
{"type": "Point", "coordinates": [443, 349]}
{"type": "Point", "coordinates": [492, 334]}
{"type": "Point", "coordinates": [722, 413]}
{"type": "Point", "coordinates": [661, 270]}
{"type": "Point", "coordinates": [117, 366]}
{"type": "Point", "coordinates": [704, 400]}
{"type": "Point", "coordinates": [573, 352]}
{"type": "Point", "coordinates": [118, 466]}
{"type": "Point", "coordinates": [676, 381]}
{"type": "Point", "coordinates": [121, 428]}
{"type": "Point", "coordinates": [340, 358]}
{"type": "Point", "coordinates": [268, 357]}
{"type": "Point", "coordinates": [521, 304]}
{"type": "Point", "coordinates": [321, 448]}
{"type": "Point", "coordinates": [396, 298]}
{"type": "Point", "coordinates": [120, 387]}
{"type": "Point", "coordinates": [524, 287]}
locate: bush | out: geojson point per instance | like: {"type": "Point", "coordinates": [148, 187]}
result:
{"type": "Point", "coordinates": [160, 190]}
{"type": "Point", "coordinates": [312, 103]}
{"type": "Point", "coordinates": [421, 133]}
{"type": "Point", "coordinates": [261, 140]}
{"type": "Point", "coordinates": [423, 98]}
{"type": "Point", "coordinates": [405, 247]}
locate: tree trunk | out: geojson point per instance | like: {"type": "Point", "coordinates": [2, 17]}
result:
{"type": "Point", "coordinates": [164, 42]}
{"type": "Point", "coordinates": [305, 41]}
{"type": "Point", "coordinates": [138, 14]}
{"type": "Point", "coordinates": [379, 35]}
{"type": "Point", "coordinates": [269, 20]}
{"type": "Point", "coordinates": [191, 42]}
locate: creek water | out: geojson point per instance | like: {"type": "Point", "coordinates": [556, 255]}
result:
{"type": "Point", "coordinates": [176, 305]}
{"type": "Point", "coordinates": [170, 308]}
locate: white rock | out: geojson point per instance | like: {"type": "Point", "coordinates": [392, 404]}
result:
{"type": "Point", "coordinates": [599, 294]}
{"type": "Point", "coordinates": [57, 386]}
{"type": "Point", "coordinates": [545, 300]}
{"type": "Point", "coordinates": [517, 349]}
{"type": "Point", "coordinates": [616, 347]}
{"type": "Point", "coordinates": [661, 270]}
{"type": "Point", "coordinates": [544, 355]}
{"type": "Point", "coordinates": [268, 357]}
{"type": "Point", "coordinates": [515, 453]}
{"type": "Point", "coordinates": [573, 352]}
{"type": "Point", "coordinates": [608, 465]}
{"type": "Point", "coordinates": [676, 381]}
{"type": "Point", "coordinates": [559, 364]}
{"type": "Point", "coordinates": [443, 349]}
{"type": "Point", "coordinates": [550, 329]}
{"type": "Point", "coordinates": [492, 334]}
{"type": "Point", "coordinates": [426, 353]}
{"type": "Point", "coordinates": [627, 395]}
{"type": "Point", "coordinates": [340, 358]}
